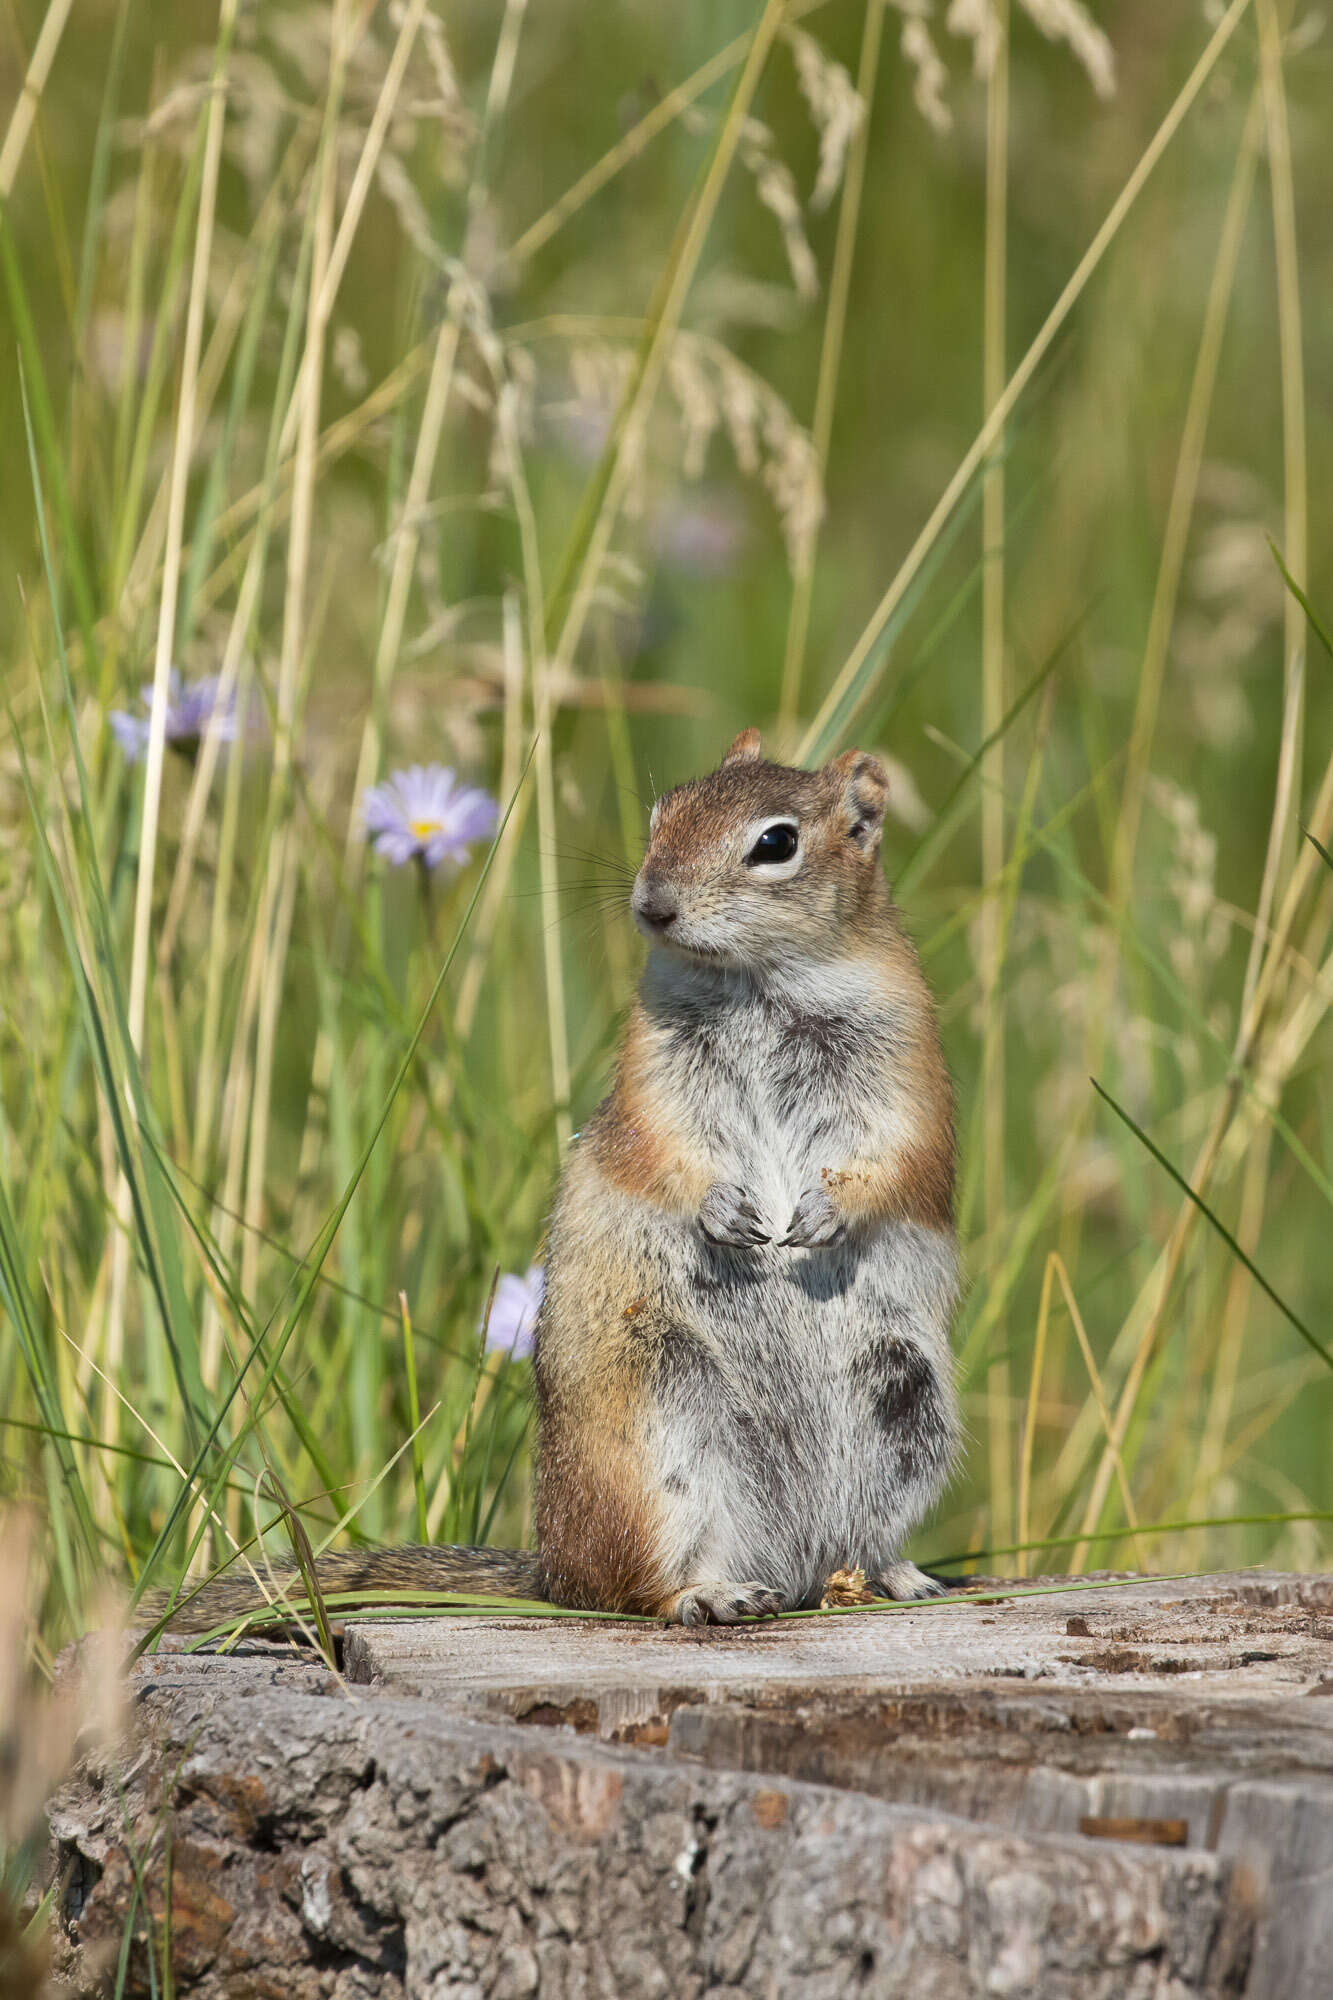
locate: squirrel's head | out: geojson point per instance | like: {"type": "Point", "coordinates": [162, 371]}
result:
{"type": "Point", "coordinates": [759, 864]}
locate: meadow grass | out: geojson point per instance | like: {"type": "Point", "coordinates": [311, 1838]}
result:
{"type": "Point", "coordinates": [347, 369]}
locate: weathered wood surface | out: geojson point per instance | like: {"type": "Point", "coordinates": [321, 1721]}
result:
{"type": "Point", "coordinates": [1117, 1794]}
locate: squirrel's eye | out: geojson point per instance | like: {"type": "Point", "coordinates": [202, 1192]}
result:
{"type": "Point", "coordinates": [775, 843]}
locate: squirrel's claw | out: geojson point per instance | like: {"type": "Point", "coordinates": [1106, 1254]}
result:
{"type": "Point", "coordinates": [903, 1581]}
{"type": "Point", "coordinates": [815, 1223]}
{"type": "Point", "coordinates": [725, 1604]}
{"type": "Point", "coordinates": [726, 1215]}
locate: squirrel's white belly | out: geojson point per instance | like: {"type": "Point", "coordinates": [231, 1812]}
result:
{"type": "Point", "coordinates": [775, 1461]}
{"type": "Point", "coordinates": [773, 1168]}
{"type": "Point", "coordinates": [774, 1151]}
{"type": "Point", "coordinates": [804, 1418]}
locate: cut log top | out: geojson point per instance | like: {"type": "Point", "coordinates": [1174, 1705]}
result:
{"type": "Point", "coordinates": [1249, 1633]}
{"type": "Point", "coordinates": [1098, 1792]}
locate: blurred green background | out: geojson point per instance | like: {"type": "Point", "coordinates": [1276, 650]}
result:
{"type": "Point", "coordinates": [1121, 887]}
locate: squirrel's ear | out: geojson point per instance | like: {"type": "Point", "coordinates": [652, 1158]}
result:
{"type": "Point", "coordinates": [747, 749]}
{"type": "Point", "coordinates": [864, 785]}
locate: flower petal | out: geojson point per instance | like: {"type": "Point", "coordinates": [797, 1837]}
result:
{"type": "Point", "coordinates": [514, 1313]}
{"type": "Point", "coordinates": [131, 732]}
{"type": "Point", "coordinates": [474, 814]}
{"type": "Point", "coordinates": [438, 847]}
{"type": "Point", "coordinates": [380, 810]}
{"type": "Point", "coordinates": [396, 845]}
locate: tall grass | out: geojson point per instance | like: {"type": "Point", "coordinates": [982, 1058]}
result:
{"type": "Point", "coordinates": [321, 383]}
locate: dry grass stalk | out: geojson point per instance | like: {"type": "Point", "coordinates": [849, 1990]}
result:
{"type": "Point", "coordinates": [994, 702]}
{"type": "Point", "coordinates": [30, 93]}
{"type": "Point", "coordinates": [1284, 835]}
{"type": "Point", "coordinates": [982, 444]}
{"type": "Point", "coordinates": [830, 353]}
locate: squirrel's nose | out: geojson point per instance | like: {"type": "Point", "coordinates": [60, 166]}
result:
{"type": "Point", "coordinates": [655, 905]}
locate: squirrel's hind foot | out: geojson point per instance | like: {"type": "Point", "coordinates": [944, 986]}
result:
{"type": "Point", "coordinates": [724, 1603]}
{"type": "Point", "coordinates": [903, 1581]}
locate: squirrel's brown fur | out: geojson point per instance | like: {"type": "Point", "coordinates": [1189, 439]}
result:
{"type": "Point", "coordinates": [742, 1366]}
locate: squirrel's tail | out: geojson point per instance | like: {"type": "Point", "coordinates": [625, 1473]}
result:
{"type": "Point", "coordinates": [384, 1572]}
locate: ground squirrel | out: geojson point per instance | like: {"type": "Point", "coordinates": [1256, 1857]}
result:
{"type": "Point", "coordinates": [742, 1358]}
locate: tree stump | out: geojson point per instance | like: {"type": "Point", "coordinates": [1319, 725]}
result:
{"type": "Point", "coordinates": [1112, 1793]}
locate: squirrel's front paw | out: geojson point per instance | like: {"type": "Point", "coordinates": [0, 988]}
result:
{"type": "Point", "coordinates": [726, 1215]}
{"type": "Point", "coordinates": [815, 1223]}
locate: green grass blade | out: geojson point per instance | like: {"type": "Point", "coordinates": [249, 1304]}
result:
{"type": "Point", "coordinates": [1211, 1216]}
{"type": "Point", "coordinates": [925, 850]}
{"type": "Point", "coordinates": [20, 1306]}
{"type": "Point", "coordinates": [157, 1243]}
{"type": "Point", "coordinates": [858, 691]}
{"type": "Point", "coordinates": [1318, 847]}
{"type": "Point", "coordinates": [30, 360]}
{"type": "Point", "coordinates": [1317, 626]}
{"type": "Point", "coordinates": [308, 1271]}
{"type": "Point", "coordinates": [1125, 1534]}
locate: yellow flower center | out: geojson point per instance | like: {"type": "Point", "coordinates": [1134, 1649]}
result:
{"type": "Point", "coordinates": [422, 829]}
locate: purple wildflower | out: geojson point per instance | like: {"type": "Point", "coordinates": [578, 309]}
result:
{"type": "Point", "coordinates": [190, 712]}
{"type": "Point", "coordinates": [514, 1313]}
{"type": "Point", "coordinates": [424, 814]}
